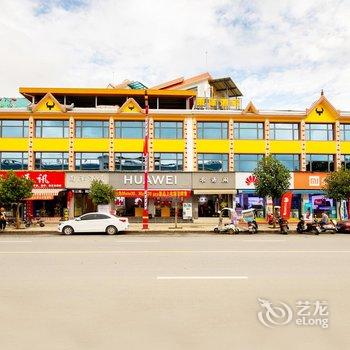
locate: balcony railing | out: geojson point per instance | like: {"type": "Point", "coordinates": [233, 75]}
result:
{"type": "Point", "coordinates": [218, 103]}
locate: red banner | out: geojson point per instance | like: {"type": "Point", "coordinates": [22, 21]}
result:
{"type": "Point", "coordinates": [42, 179]}
{"type": "Point", "coordinates": [153, 193]}
{"type": "Point", "coordinates": [286, 205]}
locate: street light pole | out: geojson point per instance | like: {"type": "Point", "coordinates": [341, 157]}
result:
{"type": "Point", "coordinates": [145, 218]}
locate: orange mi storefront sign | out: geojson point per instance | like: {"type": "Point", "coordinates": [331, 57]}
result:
{"type": "Point", "coordinates": [309, 181]}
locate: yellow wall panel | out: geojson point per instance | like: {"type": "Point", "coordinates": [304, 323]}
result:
{"type": "Point", "coordinates": [91, 145]}
{"type": "Point", "coordinates": [13, 144]}
{"type": "Point", "coordinates": [326, 147]}
{"type": "Point", "coordinates": [128, 145]}
{"type": "Point", "coordinates": [213, 146]}
{"type": "Point", "coordinates": [287, 147]}
{"type": "Point", "coordinates": [168, 145]}
{"type": "Point", "coordinates": [50, 145]}
{"type": "Point", "coordinates": [345, 147]}
{"type": "Point", "coordinates": [249, 146]}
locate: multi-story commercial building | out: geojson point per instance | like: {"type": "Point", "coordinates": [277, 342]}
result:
{"type": "Point", "coordinates": [203, 147]}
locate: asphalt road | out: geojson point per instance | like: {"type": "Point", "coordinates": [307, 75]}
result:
{"type": "Point", "coordinates": [172, 292]}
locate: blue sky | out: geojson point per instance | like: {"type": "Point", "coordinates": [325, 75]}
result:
{"type": "Point", "coordinates": [280, 53]}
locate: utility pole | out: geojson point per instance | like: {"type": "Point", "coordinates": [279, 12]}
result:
{"type": "Point", "coordinates": [145, 218]}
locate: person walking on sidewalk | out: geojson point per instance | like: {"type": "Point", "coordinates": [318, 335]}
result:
{"type": "Point", "coordinates": [2, 219]}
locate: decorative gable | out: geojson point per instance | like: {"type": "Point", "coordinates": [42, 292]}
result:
{"type": "Point", "coordinates": [250, 108]}
{"type": "Point", "coordinates": [322, 111]}
{"type": "Point", "coordinates": [130, 106]}
{"type": "Point", "coordinates": [48, 104]}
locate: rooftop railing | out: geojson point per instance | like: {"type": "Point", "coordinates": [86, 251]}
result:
{"type": "Point", "coordinates": [218, 103]}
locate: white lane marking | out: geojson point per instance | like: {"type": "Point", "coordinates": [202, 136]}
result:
{"type": "Point", "coordinates": [168, 251]}
{"type": "Point", "coordinates": [262, 240]}
{"type": "Point", "coordinates": [16, 241]}
{"type": "Point", "coordinates": [202, 277]}
{"type": "Point", "coordinates": [135, 242]}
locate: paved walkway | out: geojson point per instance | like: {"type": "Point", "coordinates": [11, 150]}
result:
{"type": "Point", "coordinates": [204, 226]}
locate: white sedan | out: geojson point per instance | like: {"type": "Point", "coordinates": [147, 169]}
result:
{"type": "Point", "coordinates": [94, 222]}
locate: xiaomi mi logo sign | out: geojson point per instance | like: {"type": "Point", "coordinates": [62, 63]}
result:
{"type": "Point", "coordinates": [314, 181]}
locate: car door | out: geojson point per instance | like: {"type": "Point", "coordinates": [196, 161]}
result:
{"type": "Point", "coordinates": [86, 223]}
{"type": "Point", "coordinates": [100, 222]}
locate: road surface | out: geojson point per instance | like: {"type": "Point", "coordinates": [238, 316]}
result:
{"type": "Point", "coordinates": [172, 291]}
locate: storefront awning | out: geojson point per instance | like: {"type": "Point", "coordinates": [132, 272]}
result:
{"type": "Point", "coordinates": [214, 191]}
{"type": "Point", "coordinates": [44, 193]}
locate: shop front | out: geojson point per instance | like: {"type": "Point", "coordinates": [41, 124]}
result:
{"type": "Point", "coordinates": [310, 197]}
{"type": "Point", "coordinates": [49, 196]}
{"type": "Point", "coordinates": [78, 186]}
{"type": "Point", "coordinates": [212, 192]}
{"type": "Point", "coordinates": [247, 198]}
{"type": "Point", "coordinates": [167, 193]}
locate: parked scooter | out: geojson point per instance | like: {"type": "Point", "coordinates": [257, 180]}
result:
{"type": "Point", "coordinates": [284, 228]}
{"type": "Point", "coordinates": [329, 226]}
{"type": "Point", "coordinates": [34, 221]}
{"type": "Point", "coordinates": [253, 226]}
{"type": "Point", "coordinates": [313, 226]}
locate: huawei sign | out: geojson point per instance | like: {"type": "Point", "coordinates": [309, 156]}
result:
{"type": "Point", "coordinates": [250, 180]}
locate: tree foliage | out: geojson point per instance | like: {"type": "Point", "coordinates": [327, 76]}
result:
{"type": "Point", "coordinates": [101, 193]}
{"type": "Point", "coordinates": [337, 185]}
{"type": "Point", "coordinates": [13, 190]}
{"type": "Point", "coordinates": [272, 178]}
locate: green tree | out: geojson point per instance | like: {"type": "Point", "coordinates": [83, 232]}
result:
{"type": "Point", "coordinates": [101, 193]}
{"type": "Point", "coordinates": [13, 190]}
{"type": "Point", "coordinates": [337, 186]}
{"type": "Point", "coordinates": [272, 179]}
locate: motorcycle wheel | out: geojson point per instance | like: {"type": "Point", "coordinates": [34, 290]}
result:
{"type": "Point", "coordinates": [27, 224]}
{"type": "Point", "coordinates": [41, 224]}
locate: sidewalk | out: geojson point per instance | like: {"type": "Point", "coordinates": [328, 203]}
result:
{"type": "Point", "coordinates": [136, 228]}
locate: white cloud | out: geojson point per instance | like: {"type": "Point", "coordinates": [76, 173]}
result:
{"type": "Point", "coordinates": [280, 53]}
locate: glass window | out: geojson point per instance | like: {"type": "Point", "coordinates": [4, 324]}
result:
{"type": "Point", "coordinates": [212, 130]}
{"type": "Point", "coordinates": [168, 161]}
{"type": "Point", "coordinates": [129, 129]}
{"type": "Point", "coordinates": [168, 130]}
{"type": "Point", "coordinates": [212, 162]}
{"type": "Point", "coordinates": [88, 217]}
{"type": "Point", "coordinates": [14, 128]}
{"type": "Point", "coordinates": [319, 132]}
{"type": "Point", "coordinates": [249, 131]}
{"type": "Point", "coordinates": [91, 161]}
{"type": "Point", "coordinates": [247, 162]}
{"type": "Point", "coordinates": [13, 160]}
{"type": "Point", "coordinates": [93, 129]}
{"type": "Point", "coordinates": [319, 162]}
{"type": "Point", "coordinates": [345, 132]}
{"type": "Point", "coordinates": [290, 161]}
{"type": "Point", "coordinates": [101, 216]}
{"type": "Point", "coordinates": [129, 162]}
{"type": "Point", "coordinates": [51, 128]}
{"type": "Point", "coordinates": [51, 160]}
{"type": "Point", "coordinates": [284, 131]}
{"type": "Point", "coordinates": [345, 161]}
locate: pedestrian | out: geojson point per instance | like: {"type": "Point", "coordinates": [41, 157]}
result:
{"type": "Point", "coordinates": [2, 219]}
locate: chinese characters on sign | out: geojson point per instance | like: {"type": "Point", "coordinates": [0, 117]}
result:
{"type": "Point", "coordinates": [42, 179]}
{"type": "Point", "coordinates": [154, 193]}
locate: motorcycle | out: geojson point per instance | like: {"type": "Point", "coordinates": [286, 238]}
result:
{"type": "Point", "coordinates": [34, 221]}
{"type": "Point", "coordinates": [253, 226]}
{"type": "Point", "coordinates": [284, 228]}
{"type": "Point", "coordinates": [329, 226]}
{"type": "Point", "coordinates": [313, 226]}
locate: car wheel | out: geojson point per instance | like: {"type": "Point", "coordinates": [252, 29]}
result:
{"type": "Point", "coordinates": [67, 230]}
{"type": "Point", "coordinates": [111, 230]}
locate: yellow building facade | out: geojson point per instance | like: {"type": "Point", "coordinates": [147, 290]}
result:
{"type": "Point", "coordinates": [212, 148]}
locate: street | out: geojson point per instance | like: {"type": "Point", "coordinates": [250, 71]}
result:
{"type": "Point", "coordinates": [195, 291]}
